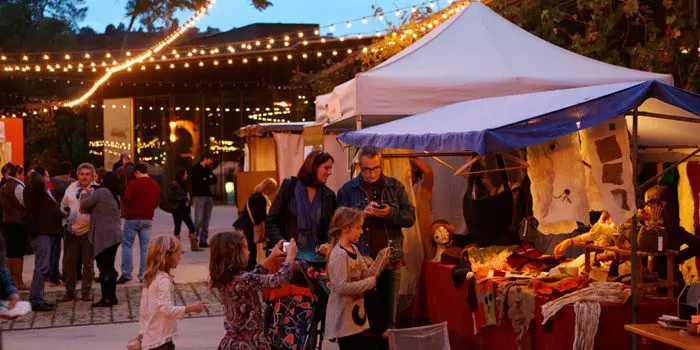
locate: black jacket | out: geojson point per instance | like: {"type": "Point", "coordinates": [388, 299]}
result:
{"type": "Point", "coordinates": [281, 221]}
{"type": "Point", "coordinates": [43, 210]}
{"type": "Point", "coordinates": [177, 195]}
{"type": "Point", "coordinates": [258, 208]}
{"type": "Point", "coordinates": [202, 178]}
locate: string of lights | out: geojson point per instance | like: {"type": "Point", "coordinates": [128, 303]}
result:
{"type": "Point", "coordinates": [267, 42]}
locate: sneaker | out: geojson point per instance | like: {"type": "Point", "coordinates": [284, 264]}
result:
{"type": "Point", "coordinates": [123, 280]}
{"type": "Point", "coordinates": [203, 245]}
{"type": "Point", "coordinates": [42, 307]}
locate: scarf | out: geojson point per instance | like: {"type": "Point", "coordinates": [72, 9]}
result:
{"type": "Point", "coordinates": [308, 214]}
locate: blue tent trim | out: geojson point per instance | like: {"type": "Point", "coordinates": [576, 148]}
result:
{"type": "Point", "coordinates": [536, 130]}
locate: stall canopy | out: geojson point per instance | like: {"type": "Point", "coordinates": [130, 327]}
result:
{"type": "Point", "coordinates": [266, 128]}
{"type": "Point", "coordinates": [473, 55]}
{"type": "Point", "coordinates": [505, 123]}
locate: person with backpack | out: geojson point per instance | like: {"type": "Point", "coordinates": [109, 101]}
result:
{"type": "Point", "coordinates": [304, 206]}
{"type": "Point", "coordinates": [252, 222]}
{"type": "Point", "coordinates": [177, 203]}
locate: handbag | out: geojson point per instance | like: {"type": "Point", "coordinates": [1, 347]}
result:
{"type": "Point", "coordinates": [258, 230]}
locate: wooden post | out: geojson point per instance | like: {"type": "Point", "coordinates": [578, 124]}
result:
{"type": "Point", "coordinates": [633, 238]}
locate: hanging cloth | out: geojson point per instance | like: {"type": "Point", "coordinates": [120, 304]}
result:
{"type": "Point", "coordinates": [489, 219]}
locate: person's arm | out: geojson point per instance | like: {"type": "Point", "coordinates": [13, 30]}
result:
{"type": "Point", "coordinates": [276, 280]}
{"type": "Point", "coordinates": [129, 194]}
{"type": "Point", "coordinates": [405, 214]}
{"type": "Point", "coordinates": [338, 270]}
{"type": "Point", "coordinates": [88, 202]}
{"type": "Point", "coordinates": [66, 202]}
{"type": "Point", "coordinates": [211, 178]}
{"type": "Point", "coordinates": [257, 205]}
{"type": "Point", "coordinates": [343, 200]}
{"type": "Point", "coordinates": [164, 300]}
{"type": "Point", "coordinates": [274, 225]}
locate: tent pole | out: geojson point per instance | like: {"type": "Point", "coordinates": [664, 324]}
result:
{"type": "Point", "coordinates": [667, 116]}
{"type": "Point", "coordinates": [635, 274]}
{"type": "Point", "coordinates": [672, 167]}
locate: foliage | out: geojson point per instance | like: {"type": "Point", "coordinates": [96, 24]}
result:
{"type": "Point", "coordinates": [53, 137]}
{"type": "Point", "coordinates": [155, 12]}
{"type": "Point", "coordinates": [39, 25]}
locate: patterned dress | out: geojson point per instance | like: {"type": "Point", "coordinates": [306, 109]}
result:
{"type": "Point", "coordinates": [241, 301]}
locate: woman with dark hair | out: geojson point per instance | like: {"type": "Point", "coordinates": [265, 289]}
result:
{"type": "Point", "coordinates": [105, 233]}
{"type": "Point", "coordinates": [304, 206]}
{"type": "Point", "coordinates": [179, 199]}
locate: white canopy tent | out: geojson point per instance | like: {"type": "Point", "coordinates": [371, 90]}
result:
{"type": "Point", "coordinates": [473, 55]}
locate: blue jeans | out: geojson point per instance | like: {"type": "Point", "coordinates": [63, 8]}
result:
{"type": "Point", "coordinates": [54, 259]}
{"type": "Point", "coordinates": [133, 228]}
{"type": "Point", "coordinates": [42, 252]}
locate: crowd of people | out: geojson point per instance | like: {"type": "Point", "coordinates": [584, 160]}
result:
{"type": "Point", "coordinates": [357, 232]}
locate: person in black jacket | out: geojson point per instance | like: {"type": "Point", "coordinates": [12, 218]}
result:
{"type": "Point", "coordinates": [202, 180]}
{"type": "Point", "coordinates": [304, 206]}
{"type": "Point", "coordinates": [254, 216]}
{"type": "Point", "coordinates": [179, 200]}
{"type": "Point", "coordinates": [42, 207]}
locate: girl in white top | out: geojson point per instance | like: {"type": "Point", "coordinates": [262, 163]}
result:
{"type": "Point", "coordinates": [350, 278]}
{"type": "Point", "coordinates": [158, 314]}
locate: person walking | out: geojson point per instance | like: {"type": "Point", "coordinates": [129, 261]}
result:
{"type": "Point", "coordinates": [202, 180]}
{"type": "Point", "coordinates": [43, 209]}
{"type": "Point", "coordinates": [76, 240]}
{"type": "Point", "coordinates": [179, 200]}
{"type": "Point", "coordinates": [60, 184]}
{"type": "Point", "coordinates": [252, 222]}
{"type": "Point", "coordinates": [304, 206]}
{"type": "Point", "coordinates": [388, 209]}
{"type": "Point", "coordinates": [105, 233]}
{"type": "Point", "coordinates": [126, 175]}
{"type": "Point", "coordinates": [12, 201]}
{"type": "Point", "coordinates": [142, 197]}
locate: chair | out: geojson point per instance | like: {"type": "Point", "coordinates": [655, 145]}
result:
{"type": "Point", "coordinates": [433, 337]}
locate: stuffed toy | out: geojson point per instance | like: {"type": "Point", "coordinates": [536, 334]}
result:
{"type": "Point", "coordinates": [442, 236]}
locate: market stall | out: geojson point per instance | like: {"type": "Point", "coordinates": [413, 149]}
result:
{"type": "Point", "coordinates": [501, 124]}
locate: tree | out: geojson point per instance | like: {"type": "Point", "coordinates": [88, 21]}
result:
{"type": "Point", "coordinates": [35, 25]}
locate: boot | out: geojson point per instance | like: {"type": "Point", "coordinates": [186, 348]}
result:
{"type": "Point", "coordinates": [16, 266]}
{"type": "Point", "coordinates": [194, 246]}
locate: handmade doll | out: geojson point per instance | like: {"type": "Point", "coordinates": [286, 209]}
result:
{"type": "Point", "coordinates": [442, 236]}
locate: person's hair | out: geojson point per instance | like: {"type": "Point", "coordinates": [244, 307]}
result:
{"type": "Point", "coordinates": [125, 156]}
{"type": "Point", "coordinates": [111, 181]}
{"type": "Point", "coordinates": [8, 168]}
{"type": "Point", "coordinates": [87, 166]}
{"type": "Point", "coordinates": [266, 184]}
{"type": "Point", "coordinates": [307, 173]}
{"type": "Point", "coordinates": [180, 174]}
{"type": "Point", "coordinates": [344, 218]}
{"type": "Point", "coordinates": [141, 167]}
{"type": "Point", "coordinates": [40, 170]}
{"type": "Point", "coordinates": [19, 170]}
{"type": "Point", "coordinates": [160, 251]}
{"type": "Point", "coordinates": [206, 155]}
{"type": "Point", "coordinates": [100, 172]}
{"type": "Point", "coordinates": [369, 151]}
{"type": "Point", "coordinates": [227, 257]}
{"type": "Point", "coordinates": [65, 168]}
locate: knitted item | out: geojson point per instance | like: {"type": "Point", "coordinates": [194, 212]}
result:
{"type": "Point", "coordinates": [587, 318]}
{"type": "Point", "coordinates": [611, 292]}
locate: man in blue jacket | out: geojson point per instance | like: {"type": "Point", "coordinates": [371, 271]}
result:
{"type": "Point", "coordinates": [387, 210]}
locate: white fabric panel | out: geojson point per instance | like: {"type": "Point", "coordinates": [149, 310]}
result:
{"type": "Point", "coordinates": [322, 115]}
{"type": "Point", "coordinates": [448, 192]}
{"type": "Point", "coordinates": [475, 54]}
{"type": "Point", "coordinates": [664, 132]}
{"type": "Point", "coordinates": [290, 148]}
{"type": "Point", "coordinates": [341, 172]}
{"type": "Point", "coordinates": [555, 169]}
{"type": "Point", "coordinates": [617, 198]}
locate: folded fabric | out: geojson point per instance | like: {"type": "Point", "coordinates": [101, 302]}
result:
{"type": "Point", "coordinates": [519, 301]}
{"type": "Point", "coordinates": [611, 292]}
{"type": "Point", "coordinates": [587, 318]}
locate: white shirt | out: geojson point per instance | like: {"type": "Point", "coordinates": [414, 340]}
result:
{"type": "Point", "coordinates": [79, 222]}
{"type": "Point", "coordinates": [158, 314]}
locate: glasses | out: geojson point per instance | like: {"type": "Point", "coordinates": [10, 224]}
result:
{"type": "Point", "coordinates": [372, 170]}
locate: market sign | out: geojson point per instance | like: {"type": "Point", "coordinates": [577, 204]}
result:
{"type": "Point", "coordinates": [118, 129]}
{"type": "Point", "coordinates": [313, 139]}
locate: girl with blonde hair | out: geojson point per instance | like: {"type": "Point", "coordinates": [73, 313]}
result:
{"type": "Point", "coordinates": [239, 289]}
{"type": "Point", "coordinates": [158, 314]}
{"type": "Point", "coordinates": [252, 219]}
{"type": "Point", "coordinates": [350, 278]}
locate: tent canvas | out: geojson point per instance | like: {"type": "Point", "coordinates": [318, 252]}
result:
{"type": "Point", "coordinates": [474, 54]}
{"type": "Point", "coordinates": [505, 123]}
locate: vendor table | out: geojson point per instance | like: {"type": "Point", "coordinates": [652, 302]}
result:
{"type": "Point", "coordinates": [671, 337]}
{"type": "Point", "coordinates": [438, 301]}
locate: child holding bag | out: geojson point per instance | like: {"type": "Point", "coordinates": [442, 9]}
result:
{"type": "Point", "coordinates": [350, 278]}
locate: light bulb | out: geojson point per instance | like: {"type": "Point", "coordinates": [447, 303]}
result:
{"type": "Point", "coordinates": [348, 24]}
{"type": "Point", "coordinates": [331, 28]}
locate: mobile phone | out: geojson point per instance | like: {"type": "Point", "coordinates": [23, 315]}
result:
{"type": "Point", "coordinates": [284, 247]}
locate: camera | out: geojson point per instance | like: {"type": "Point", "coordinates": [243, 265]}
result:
{"type": "Point", "coordinates": [284, 247]}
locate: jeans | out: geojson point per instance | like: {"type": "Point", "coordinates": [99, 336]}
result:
{"type": "Point", "coordinates": [381, 302]}
{"type": "Point", "coordinates": [202, 215]}
{"type": "Point", "coordinates": [183, 213]}
{"type": "Point", "coordinates": [78, 248]}
{"type": "Point", "coordinates": [133, 228]}
{"type": "Point", "coordinates": [55, 257]}
{"type": "Point", "coordinates": [108, 274]}
{"type": "Point", "coordinates": [42, 252]}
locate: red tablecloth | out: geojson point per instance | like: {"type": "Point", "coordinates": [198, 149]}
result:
{"type": "Point", "coordinates": [439, 301]}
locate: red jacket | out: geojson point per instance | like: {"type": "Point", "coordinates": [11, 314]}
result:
{"type": "Point", "coordinates": [141, 199]}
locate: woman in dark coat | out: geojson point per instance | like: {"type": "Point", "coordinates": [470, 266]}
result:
{"type": "Point", "coordinates": [304, 206]}
{"type": "Point", "coordinates": [179, 199]}
{"type": "Point", "coordinates": [105, 233]}
{"type": "Point", "coordinates": [254, 216]}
